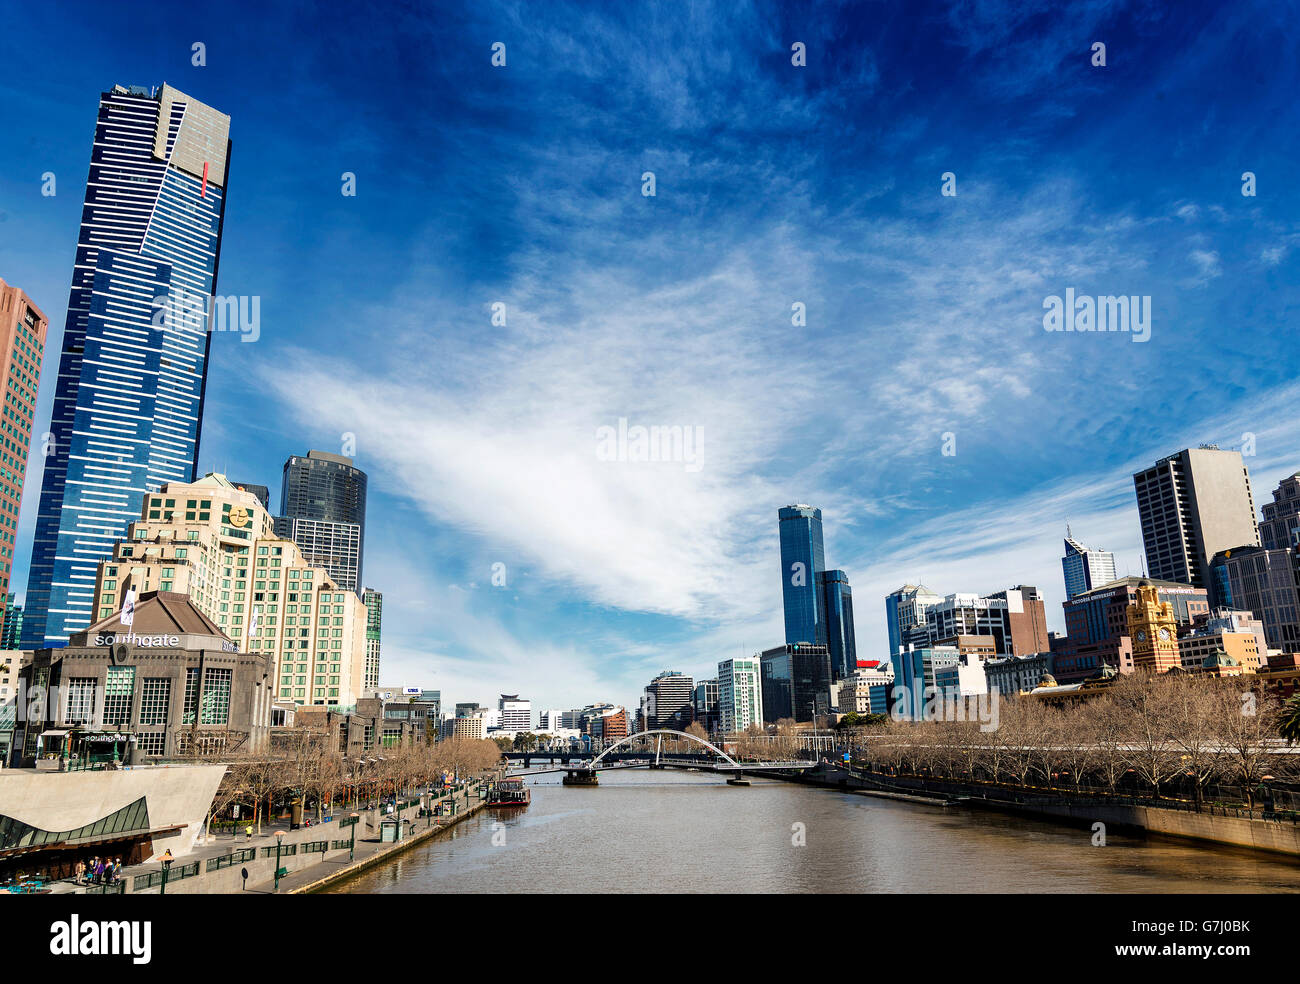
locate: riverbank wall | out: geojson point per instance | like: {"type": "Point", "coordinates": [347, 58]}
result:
{"type": "Point", "coordinates": [325, 878]}
{"type": "Point", "coordinates": [1249, 832]}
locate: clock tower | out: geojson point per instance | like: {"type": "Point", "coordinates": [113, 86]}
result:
{"type": "Point", "coordinates": [1154, 631]}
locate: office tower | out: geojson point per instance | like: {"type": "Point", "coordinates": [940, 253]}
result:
{"type": "Point", "coordinates": [1193, 505]}
{"type": "Point", "coordinates": [905, 609]}
{"type": "Point", "coordinates": [210, 541]}
{"type": "Point", "coordinates": [916, 683]}
{"type": "Point", "coordinates": [1263, 582]}
{"type": "Point", "coordinates": [1280, 527]}
{"type": "Point", "coordinates": [1085, 569]}
{"type": "Point", "coordinates": [610, 725]}
{"type": "Point", "coordinates": [802, 556]}
{"type": "Point", "coordinates": [261, 491]}
{"type": "Point", "coordinates": [668, 701]}
{"type": "Point", "coordinates": [516, 713]}
{"type": "Point", "coordinates": [22, 346]}
{"type": "Point", "coordinates": [1016, 619]}
{"type": "Point", "coordinates": [740, 694]}
{"type": "Point", "coordinates": [837, 604]}
{"type": "Point", "coordinates": [706, 705]}
{"type": "Point", "coordinates": [374, 602]}
{"type": "Point", "coordinates": [128, 403]}
{"type": "Point", "coordinates": [12, 630]}
{"type": "Point", "coordinates": [796, 682]}
{"type": "Point", "coordinates": [323, 510]}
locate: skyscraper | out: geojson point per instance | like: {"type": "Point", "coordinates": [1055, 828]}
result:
{"type": "Point", "coordinates": [905, 610]}
{"type": "Point", "coordinates": [22, 346]}
{"type": "Point", "coordinates": [1193, 505]}
{"type": "Point", "coordinates": [1085, 569]}
{"type": "Point", "coordinates": [129, 399]}
{"type": "Point", "coordinates": [796, 682]}
{"type": "Point", "coordinates": [323, 511]}
{"type": "Point", "coordinates": [669, 701]}
{"type": "Point", "coordinates": [837, 604]}
{"type": "Point", "coordinates": [374, 602]}
{"type": "Point", "coordinates": [802, 557]}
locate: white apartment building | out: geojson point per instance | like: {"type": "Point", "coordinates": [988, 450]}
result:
{"type": "Point", "coordinates": [740, 694]}
{"type": "Point", "coordinates": [216, 543]}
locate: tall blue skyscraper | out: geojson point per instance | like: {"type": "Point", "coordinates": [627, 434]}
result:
{"type": "Point", "coordinates": [802, 557]}
{"type": "Point", "coordinates": [837, 604]}
{"type": "Point", "coordinates": [128, 403]}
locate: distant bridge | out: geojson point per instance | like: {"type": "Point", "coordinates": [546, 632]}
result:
{"type": "Point", "coordinates": [581, 765]}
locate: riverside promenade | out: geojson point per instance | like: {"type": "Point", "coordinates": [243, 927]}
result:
{"type": "Point", "coordinates": [310, 857]}
{"type": "Point", "coordinates": [1252, 830]}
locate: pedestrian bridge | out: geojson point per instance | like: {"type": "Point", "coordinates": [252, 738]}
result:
{"type": "Point", "coordinates": [580, 765]}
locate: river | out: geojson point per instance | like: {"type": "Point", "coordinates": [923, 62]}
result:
{"type": "Point", "coordinates": [669, 831]}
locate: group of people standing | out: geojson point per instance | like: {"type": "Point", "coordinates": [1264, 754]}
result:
{"type": "Point", "coordinates": [100, 871]}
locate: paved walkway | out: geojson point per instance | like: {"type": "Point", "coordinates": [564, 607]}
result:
{"type": "Point", "coordinates": [219, 845]}
{"type": "Point", "coordinates": [369, 850]}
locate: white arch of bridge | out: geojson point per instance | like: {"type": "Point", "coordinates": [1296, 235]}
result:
{"type": "Point", "coordinates": [664, 731]}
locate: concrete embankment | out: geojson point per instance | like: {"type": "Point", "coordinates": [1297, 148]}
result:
{"type": "Point", "coordinates": [1277, 836]}
{"type": "Point", "coordinates": [320, 877]}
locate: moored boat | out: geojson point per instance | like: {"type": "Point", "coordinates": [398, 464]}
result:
{"type": "Point", "coordinates": [509, 792]}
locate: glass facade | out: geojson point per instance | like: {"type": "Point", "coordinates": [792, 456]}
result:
{"type": "Point", "coordinates": [802, 557]}
{"type": "Point", "coordinates": [323, 510]}
{"type": "Point", "coordinates": [796, 682]}
{"type": "Point", "coordinates": [128, 402]}
{"type": "Point", "coordinates": [837, 604]}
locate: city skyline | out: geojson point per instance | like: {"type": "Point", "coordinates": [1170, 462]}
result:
{"type": "Point", "coordinates": [611, 569]}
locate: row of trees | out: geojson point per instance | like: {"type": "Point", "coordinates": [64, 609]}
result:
{"type": "Point", "coordinates": [309, 767]}
{"type": "Point", "coordinates": [1157, 732]}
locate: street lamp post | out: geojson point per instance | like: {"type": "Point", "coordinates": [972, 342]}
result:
{"type": "Point", "coordinates": [167, 860]}
{"type": "Point", "coordinates": [279, 839]}
{"type": "Point", "coordinates": [353, 846]}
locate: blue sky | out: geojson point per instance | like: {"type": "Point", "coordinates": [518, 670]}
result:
{"type": "Point", "coordinates": [775, 185]}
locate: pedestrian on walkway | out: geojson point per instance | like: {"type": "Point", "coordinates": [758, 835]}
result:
{"type": "Point", "coordinates": [249, 831]}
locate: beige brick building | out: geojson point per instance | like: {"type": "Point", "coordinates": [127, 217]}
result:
{"type": "Point", "coordinates": [216, 543]}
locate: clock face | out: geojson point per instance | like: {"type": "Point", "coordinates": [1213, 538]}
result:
{"type": "Point", "coordinates": [1164, 634]}
{"type": "Point", "coordinates": [1141, 636]}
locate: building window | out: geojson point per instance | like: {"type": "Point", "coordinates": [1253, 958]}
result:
{"type": "Point", "coordinates": [216, 696]}
{"type": "Point", "coordinates": [119, 688]}
{"type": "Point", "coordinates": [81, 700]}
{"type": "Point", "coordinates": [155, 700]}
{"type": "Point", "coordinates": [153, 742]}
{"type": "Point", "coordinates": [191, 695]}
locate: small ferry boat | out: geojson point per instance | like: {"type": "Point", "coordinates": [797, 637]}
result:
{"type": "Point", "coordinates": [509, 792]}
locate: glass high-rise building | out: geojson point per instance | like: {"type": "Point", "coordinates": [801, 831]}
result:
{"type": "Point", "coordinates": [128, 402]}
{"type": "Point", "coordinates": [837, 604]}
{"type": "Point", "coordinates": [1085, 569]}
{"type": "Point", "coordinates": [323, 511]}
{"type": "Point", "coordinates": [802, 557]}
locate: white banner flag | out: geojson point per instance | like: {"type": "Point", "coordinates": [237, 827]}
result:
{"type": "Point", "coordinates": [128, 607]}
